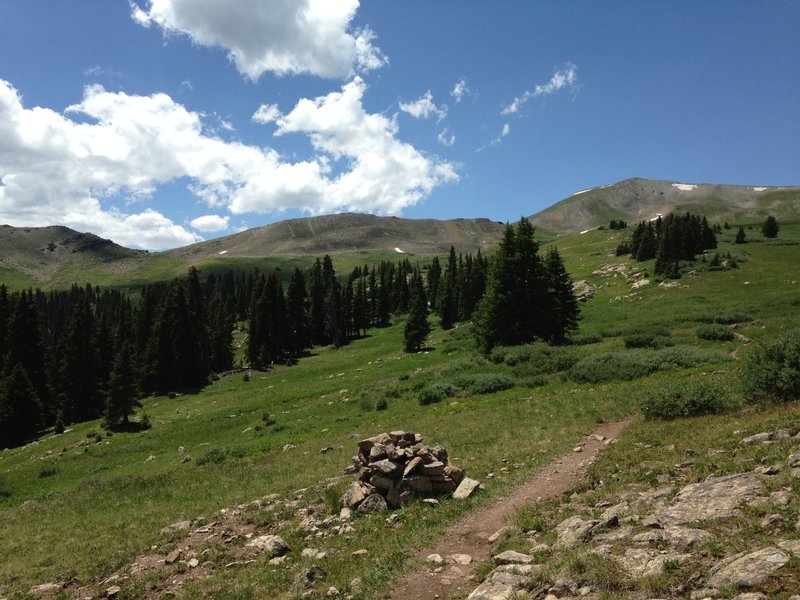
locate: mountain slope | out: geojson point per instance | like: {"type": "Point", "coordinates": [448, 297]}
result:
{"type": "Point", "coordinates": [41, 253]}
{"type": "Point", "coordinates": [350, 232]}
{"type": "Point", "coordinates": [637, 199]}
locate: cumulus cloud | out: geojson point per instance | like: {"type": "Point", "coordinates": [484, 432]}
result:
{"type": "Point", "coordinates": [460, 89]}
{"type": "Point", "coordinates": [210, 223]}
{"type": "Point", "coordinates": [424, 107]}
{"type": "Point", "coordinates": [267, 113]}
{"type": "Point", "coordinates": [280, 36]}
{"type": "Point", "coordinates": [58, 170]}
{"type": "Point", "coordinates": [564, 78]}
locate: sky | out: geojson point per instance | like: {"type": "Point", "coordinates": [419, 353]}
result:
{"type": "Point", "coordinates": [160, 123]}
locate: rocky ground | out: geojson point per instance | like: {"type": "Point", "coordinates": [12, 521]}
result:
{"type": "Point", "coordinates": [626, 544]}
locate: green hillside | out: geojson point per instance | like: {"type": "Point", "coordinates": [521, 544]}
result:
{"type": "Point", "coordinates": [80, 507]}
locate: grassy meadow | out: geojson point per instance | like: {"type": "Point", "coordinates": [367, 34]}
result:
{"type": "Point", "coordinates": [82, 505]}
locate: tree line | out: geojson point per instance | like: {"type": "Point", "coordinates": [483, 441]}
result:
{"type": "Point", "coordinates": [84, 353]}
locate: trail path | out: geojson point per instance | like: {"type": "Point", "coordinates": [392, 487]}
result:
{"type": "Point", "coordinates": [470, 535]}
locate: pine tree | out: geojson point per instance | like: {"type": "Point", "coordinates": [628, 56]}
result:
{"type": "Point", "coordinates": [297, 311]}
{"type": "Point", "coordinates": [770, 227]}
{"type": "Point", "coordinates": [417, 327]}
{"type": "Point", "coordinates": [741, 238]}
{"type": "Point", "coordinates": [20, 408]}
{"type": "Point", "coordinates": [121, 398]}
{"type": "Point", "coordinates": [434, 278]}
{"type": "Point", "coordinates": [564, 308]}
{"type": "Point", "coordinates": [448, 294]}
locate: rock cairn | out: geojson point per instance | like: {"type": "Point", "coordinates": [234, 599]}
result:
{"type": "Point", "coordinates": [391, 467]}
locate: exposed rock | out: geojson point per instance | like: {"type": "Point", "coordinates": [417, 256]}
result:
{"type": "Point", "coordinates": [274, 545]}
{"type": "Point", "coordinates": [499, 586]}
{"type": "Point", "coordinates": [772, 521]}
{"type": "Point", "coordinates": [435, 559]}
{"type": "Point", "coordinates": [46, 588]}
{"type": "Point", "coordinates": [466, 488]}
{"type": "Point", "coordinates": [794, 460]}
{"type": "Point", "coordinates": [574, 531]}
{"type": "Point", "coordinates": [750, 596]}
{"type": "Point", "coordinates": [503, 532]}
{"type": "Point", "coordinates": [373, 503]}
{"type": "Point", "coordinates": [790, 546]}
{"type": "Point", "coordinates": [642, 563]}
{"type": "Point", "coordinates": [677, 537]}
{"type": "Point", "coordinates": [510, 557]}
{"type": "Point", "coordinates": [179, 526]}
{"type": "Point", "coordinates": [312, 575]}
{"type": "Point", "coordinates": [353, 495]}
{"type": "Point", "coordinates": [715, 498]}
{"type": "Point", "coordinates": [113, 591]}
{"type": "Point", "coordinates": [173, 556]}
{"type": "Point", "coordinates": [460, 559]}
{"type": "Point", "coordinates": [748, 569]}
{"type": "Point", "coordinates": [781, 497]}
{"type": "Point", "coordinates": [758, 438]}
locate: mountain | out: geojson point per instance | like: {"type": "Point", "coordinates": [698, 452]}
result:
{"type": "Point", "coordinates": [635, 200]}
{"type": "Point", "coordinates": [40, 253]}
{"type": "Point", "coordinates": [348, 233]}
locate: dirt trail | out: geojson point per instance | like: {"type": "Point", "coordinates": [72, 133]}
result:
{"type": "Point", "coordinates": [470, 535]}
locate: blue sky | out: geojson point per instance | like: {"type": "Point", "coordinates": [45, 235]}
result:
{"type": "Point", "coordinates": [158, 123]}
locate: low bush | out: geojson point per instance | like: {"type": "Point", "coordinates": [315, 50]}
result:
{"type": "Point", "coordinates": [47, 471]}
{"type": "Point", "coordinates": [484, 383]}
{"type": "Point", "coordinates": [715, 332]}
{"type": "Point", "coordinates": [632, 364]}
{"type": "Point", "coordinates": [684, 398]}
{"type": "Point", "coordinates": [725, 318]}
{"type": "Point", "coordinates": [586, 339]}
{"type": "Point", "coordinates": [772, 371]}
{"type": "Point", "coordinates": [216, 454]}
{"type": "Point", "coordinates": [436, 392]}
{"type": "Point", "coordinates": [646, 340]}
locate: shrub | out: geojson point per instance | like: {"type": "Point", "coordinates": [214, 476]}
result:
{"type": "Point", "coordinates": [5, 490]}
{"type": "Point", "coordinates": [382, 404]}
{"type": "Point", "coordinates": [484, 383]}
{"type": "Point", "coordinates": [724, 318]}
{"type": "Point", "coordinates": [772, 371]}
{"type": "Point", "coordinates": [684, 398]}
{"type": "Point", "coordinates": [436, 392]}
{"type": "Point", "coordinates": [646, 340]}
{"type": "Point", "coordinates": [215, 454]}
{"type": "Point", "coordinates": [715, 332]}
{"type": "Point", "coordinates": [624, 366]}
{"type": "Point", "coordinates": [585, 340]}
{"type": "Point", "coordinates": [47, 471]}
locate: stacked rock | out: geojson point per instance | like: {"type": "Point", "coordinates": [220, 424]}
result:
{"type": "Point", "coordinates": [390, 467]}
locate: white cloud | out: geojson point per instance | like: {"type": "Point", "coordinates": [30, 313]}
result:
{"type": "Point", "coordinates": [445, 139]}
{"type": "Point", "coordinates": [424, 107]}
{"type": "Point", "coordinates": [460, 89]}
{"type": "Point", "coordinates": [503, 133]}
{"type": "Point", "coordinates": [210, 223]}
{"type": "Point", "coordinates": [56, 170]}
{"type": "Point", "coordinates": [280, 36]}
{"type": "Point", "coordinates": [565, 78]}
{"type": "Point", "coordinates": [267, 113]}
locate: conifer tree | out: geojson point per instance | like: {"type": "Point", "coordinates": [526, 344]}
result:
{"type": "Point", "coordinates": [20, 408]}
{"type": "Point", "coordinates": [417, 327]}
{"type": "Point", "coordinates": [741, 238]}
{"type": "Point", "coordinates": [564, 308]}
{"type": "Point", "coordinates": [434, 278]}
{"type": "Point", "coordinates": [770, 227]}
{"type": "Point", "coordinates": [448, 295]}
{"type": "Point", "coordinates": [121, 398]}
{"type": "Point", "coordinates": [297, 314]}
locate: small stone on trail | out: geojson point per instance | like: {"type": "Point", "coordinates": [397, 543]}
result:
{"type": "Point", "coordinates": [465, 488]}
{"type": "Point", "coordinates": [113, 591]}
{"type": "Point", "coordinates": [510, 557]}
{"type": "Point", "coordinates": [504, 532]}
{"type": "Point", "coordinates": [435, 559]}
{"type": "Point", "coordinates": [173, 557]}
{"type": "Point", "coordinates": [578, 449]}
{"type": "Point", "coordinates": [460, 559]}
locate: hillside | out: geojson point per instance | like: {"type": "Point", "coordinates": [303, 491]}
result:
{"type": "Point", "coordinates": [38, 254]}
{"type": "Point", "coordinates": [635, 199]}
{"type": "Point", "coordinates": [350, 232]}
{"type": "Point", "coordinates": [268, 453]}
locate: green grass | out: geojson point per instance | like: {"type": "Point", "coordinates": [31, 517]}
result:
{"type": "Point", "coordinates": [100, 505]}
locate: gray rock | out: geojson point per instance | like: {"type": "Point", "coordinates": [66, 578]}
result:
{"type": "Point", "coordinates": [612, 514]}
{"type": "Point", "coordinates": [312, 575]}
{"type": "Point", "coordinates": [373, 503]}
{"type": "Point", "coordinates": [388, 467]}
{"type": "Point", "coordinates": [353, 495]}
{"type": "Point", "coordinates": [758, 438]}
{"type": "Point", "coordinates": [793, 460]}
{"type": "Point", "coordinates": [781, 497]}
{"type": "Point", "coordinates": [179, 526]}
{"type": "Point", "coordinates": [675, 536]}
{"type": "Point", "coordinates": [510, 557]}
{"type": "Point", "coordinates": [466, 488]}
{"type": "Point", "coordinates": [614, 535]}
{"type": "Point", "coordinates": [715, 498]}
{"type": "Point", "coordinates": [642, 563]}
{"type": "Point", "coordinates": [460, 559]}
{"type": "Point", "coordinates": [273, 545]}
{"type": "Point", "coordinates": [500, 585]}
{"type": "Point", "coordinates": [46, 588]}
{"type": "Point", "coordinates": [748, 570]}
{"type": "Point", "coordinates": [504, 532]}
{"type": "Point", "coordinates": [574, 531]}
{"type": "Point", "coordinates": [750, 596]}
{"type": "Point", "coordinates": [790, 546]}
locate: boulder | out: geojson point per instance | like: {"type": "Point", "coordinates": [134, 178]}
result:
{"type": "Point", "coordinates": [748, 569]}
{"type": "Point", "coordinates": [574, 531]}
{"type": "Point", "coordinates": [715, 498]}
{"type": "Point", "coordinates": [273, 545]}
{"type": "Point", "coordinates": [466, 488]}
{"type": "Point", "coordinates": [373, 503]}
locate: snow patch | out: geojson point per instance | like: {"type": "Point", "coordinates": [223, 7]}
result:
{"type": "Point", "coordinates": [685, 187]}
{"type": "Point", "coordinates": [400, 251]}
{"type": "Point", "coordinates": [223, 252]}
{"type": "Point", "coordinates": [759, 189]}
{"type": "Point", "coordinates": [581, 192]}
{"type": "Point", "coordinates": [585, 231]}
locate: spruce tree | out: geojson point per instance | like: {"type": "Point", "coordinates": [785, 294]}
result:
{"type": "Point", "coordinates": [564, 306]}
{"type": "Point", "coordinates": [417, 327]}
{"type": "Point", "coordinates": [434, 278]}
{"type": "Point", "coordinates": [121, 398]}
{"type": "Point", "coordinates": [741, 238]}
{"type": "Point", "coordinates": [770, 227]}
{"type": "Point", "coordinates": [297, 311]}
{"type": "Point", "coordinates": [20, 408]}
{"type": "Point", "coordinates": [448, 293]}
